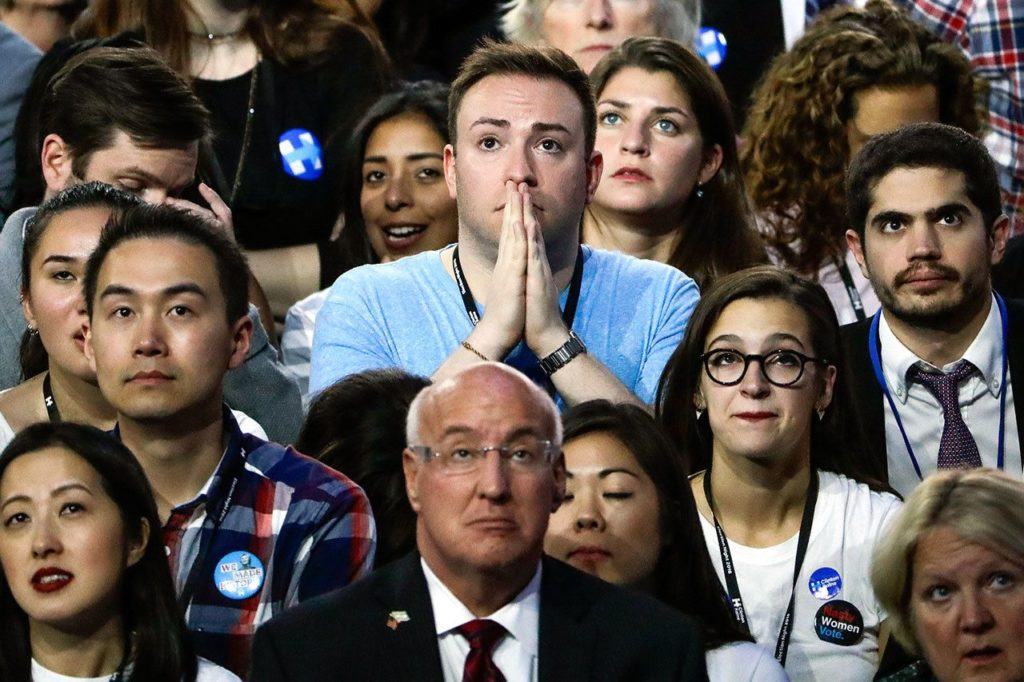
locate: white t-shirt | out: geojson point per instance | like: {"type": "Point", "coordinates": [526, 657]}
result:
{"type": "Point", "coordinates": [836, 615]}
{"type": "Point", "coordinates": [208, 672]}
{"type": "Point", "coordinates": [743, 662]}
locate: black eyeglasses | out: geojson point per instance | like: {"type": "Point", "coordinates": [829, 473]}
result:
{"type": "Point", "coordinates": [780, 367]}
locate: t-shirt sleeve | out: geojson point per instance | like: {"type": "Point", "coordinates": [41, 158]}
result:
{"type": "Point", "coordinates": [888, 508]}
{"type": "Point", "coordinates": [680, 298]}
{"type": "Point", "coordinates": [349, 334]}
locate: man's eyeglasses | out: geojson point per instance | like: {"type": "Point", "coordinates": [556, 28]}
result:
{"type": "Point", "coordinates": [780, 367]}
{"type": "Point", "coordinates": [525, 455]}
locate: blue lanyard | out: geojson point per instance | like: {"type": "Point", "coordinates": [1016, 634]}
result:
{"type": "Point", "coordinates": [876, 364]}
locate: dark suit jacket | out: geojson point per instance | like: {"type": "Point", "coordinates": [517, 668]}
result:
{"type": "Point", "coordinates": [589, 630]}
{"type": "Point", "coordinates": [867, 412]}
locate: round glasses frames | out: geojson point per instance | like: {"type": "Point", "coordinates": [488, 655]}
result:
{"type": "Point", "coordinates": [780, 367]}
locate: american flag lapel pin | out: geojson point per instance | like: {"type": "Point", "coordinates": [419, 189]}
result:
{"type": "Point", "coordinates": [397, 617]}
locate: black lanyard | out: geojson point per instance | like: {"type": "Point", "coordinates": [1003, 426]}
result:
{"type": "Point", "coordinates": [732, 588]}
{"type": "Point", "coordinates": [851, 290]}
{"type": "Point", "coordinates": [568, 315]}
{"type": "Point", "coordinates": [51, 405]}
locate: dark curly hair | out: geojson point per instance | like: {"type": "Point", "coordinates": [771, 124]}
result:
{"type": "Point", "coordinates": [797, 148]}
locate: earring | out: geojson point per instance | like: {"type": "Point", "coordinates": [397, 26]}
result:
{"type": "Point", "coordinates": [699, 412]}
{"type": "Point", "coordinates": [32, 331]}
{"type": "Point", "coordinates": [821, 414]}
{"type": "Point", "coordinates": [700, 191]}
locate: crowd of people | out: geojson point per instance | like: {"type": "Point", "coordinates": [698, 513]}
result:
{"type": "Point", "coordinates": [595, 344]}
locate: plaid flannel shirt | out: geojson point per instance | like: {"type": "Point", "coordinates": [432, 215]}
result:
{"type": "Point", "coordinates": [991, 32]}
{"type": "Point", "coordinates": [308, 526]}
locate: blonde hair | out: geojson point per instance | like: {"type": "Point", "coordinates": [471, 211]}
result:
{"type": "Point", "coordinates": [982, 506]}
{"type": "Point", "coordinates": [523, 19]}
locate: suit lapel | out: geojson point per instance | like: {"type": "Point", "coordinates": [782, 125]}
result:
{"type": "Point", "coordinates": [866, 400]}
{"type": "Point", "coordinates": [1015, 356]}
{"type": "Point", "coordinates": [566, 646]}
{"type": "Point", "coordinates": [409, 649]}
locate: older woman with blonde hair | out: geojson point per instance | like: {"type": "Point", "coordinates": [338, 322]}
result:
{"type": "Point", "coordinates": [588, 29]}
{"type": "Point", "coordinates": [950, 573]}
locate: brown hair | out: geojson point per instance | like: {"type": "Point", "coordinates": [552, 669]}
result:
{"type": "Point", "coordinates": [510, 59]}
{"type": "Point", "coordinates": [106, 90]}
{"type": "Point", "coordinates": [716, 233]}
{"type": "Point", "coordinates": [797, 148]}
{"type": "Point", "coordinates": [287, 32]}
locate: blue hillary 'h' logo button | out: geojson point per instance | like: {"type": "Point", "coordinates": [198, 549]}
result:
{"type": "Point", "coordinates": [301, 154]}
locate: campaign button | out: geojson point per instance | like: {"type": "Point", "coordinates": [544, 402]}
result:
{"type": "Point", "coordinates": [712, 46]}
{"type": "Point", "coordinates": [239, 575]}
{"type": "Point", "coordinates": [825, 583]}
{"type": "Point", "coordinates": [301, 154]}
{"type": "Point", "coordinates": [839, 622]}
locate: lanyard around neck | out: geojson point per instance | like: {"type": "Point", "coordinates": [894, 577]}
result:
{"type": "Point", "coordinates": [732, 586]}
{"type": "Point", "coordinates": [851, 289]}
{"type": "Point", "coordinates": [52, 411]}
{"type": "Point", "coordinates": [874, 351]}
{"type": "Point", "coordinates": [568, 315]}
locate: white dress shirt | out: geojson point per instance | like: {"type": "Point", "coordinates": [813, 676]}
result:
{"type": "Point", "coordinates": [921, 413]}
{"type": "Point", "coordinates": [515, 655]}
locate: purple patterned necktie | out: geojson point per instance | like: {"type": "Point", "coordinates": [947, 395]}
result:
{"type": "Point", "coordinates": [957, 449]}
{"type": "Point", "coordinates": [483, 636]}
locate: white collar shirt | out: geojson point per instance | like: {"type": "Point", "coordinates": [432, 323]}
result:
{"type": "Point", "coordinates": [921, 414]}
{"type": "Point", "coordinates": [515, 655]}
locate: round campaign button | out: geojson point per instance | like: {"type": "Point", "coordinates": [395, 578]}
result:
{"type": "Point", "coordinates": [239, 575]}
{"type": "Point", "coordinates": [839, 622]}
{"type": "Point", "coordinates": [825, 583]}
{"type": "Point", "coordinates": [301, 154]}
{"type": "Point", "coordinates": [711, 45]}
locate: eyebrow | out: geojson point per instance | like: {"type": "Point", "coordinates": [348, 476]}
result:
{"type": "Point", "coordinates": [173, 290]}
{"type": "Point", "coordinates": [59, 258]}
{"type": "Point", "coordinates": [774, 338]}
{"type": "Point", "coordinates": [656, 110]}
{"type": "Point", "coordinates": [59, 490]}
{"type": "Point", "coordinates": [421, 156]}
{"type": "Point", "coordinates": [459, 429]}
{"type": "Point", "coordinates": [154, 180]}
{"type": "Point", "coordinates": [605, 473]}
{"type": "Point", "coordinates": [932, 214]}
{"type": "Point", "coordinates": [540, 126]}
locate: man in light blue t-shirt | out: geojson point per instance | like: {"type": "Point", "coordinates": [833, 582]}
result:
{"type": "Point", "coordinates": [517, 286]}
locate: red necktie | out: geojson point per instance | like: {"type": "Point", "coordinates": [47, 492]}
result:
{"type": "Point", "coordinates": [483, 636]}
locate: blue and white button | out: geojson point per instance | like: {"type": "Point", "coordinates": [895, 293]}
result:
{"type": "Point", "coordinates": [711, 46]}
{"type": "Point", "coordinates": [239, 575]}
{"type": "Point", "coordinates": [301, 154]}
{"type": "Point", "coordinates": [825, 583]}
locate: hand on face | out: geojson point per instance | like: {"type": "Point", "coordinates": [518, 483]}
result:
{"type": "Point", "coordinates": [522, 301]}
{"type": "Point", "coordinates": [219, 213]}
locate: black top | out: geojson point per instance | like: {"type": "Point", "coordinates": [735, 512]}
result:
{"type": "Point", "coordinates": [275, 208]}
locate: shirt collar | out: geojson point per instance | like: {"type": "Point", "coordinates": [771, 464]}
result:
{"type": "Point", "coordinates": [985, 353]}
{"type": "Point", "coordinates": [521, 616]}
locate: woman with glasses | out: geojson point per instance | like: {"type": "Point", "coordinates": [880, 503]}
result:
{"type": "Point", "coordinates": [752, 398]}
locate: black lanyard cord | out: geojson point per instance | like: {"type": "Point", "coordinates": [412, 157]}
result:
{"type": "Point", "coordinates": [568, 315]}
{"type": "Point", "coordinates": [732, 587]}
{"type": "Point", "coordinates": [52, 412]}
{"type": "Point", "coordinates": [851, 289]}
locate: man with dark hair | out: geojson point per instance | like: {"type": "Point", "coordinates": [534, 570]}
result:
{"type": "Point", "coordinates": [251, 528]}
{"type": "Point", "coordinates": [479, 601]}
{"type": "Point", "coordinates": [121, 116]}
{"type": "Point", "coordinates": [933, 372]}
{"type": "Point", "coordinates": [581, 322]}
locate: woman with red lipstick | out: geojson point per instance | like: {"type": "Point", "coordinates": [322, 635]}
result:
{"type": "Point", "coordinates": [950, 571]}
{"type": "Point", "coordinates": [629, 518]}
{"type": "Point", "coordinates": [751, 397]}
{"type": "Point", "coordinates": [85, 592]}
{"type": "Point", "coordinates": [671, 189]}
{"type": "Point", "coordinates": [396, 200]}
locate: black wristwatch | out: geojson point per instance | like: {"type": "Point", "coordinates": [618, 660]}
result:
{"type": "Point", "coordinates": [563, 355]}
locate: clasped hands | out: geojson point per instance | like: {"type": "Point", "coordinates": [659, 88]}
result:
{"type": "Point", "coordinates": [522, 301]}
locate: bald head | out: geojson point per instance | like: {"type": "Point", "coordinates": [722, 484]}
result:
{"type": "Point", "coordinates": [489, 381]}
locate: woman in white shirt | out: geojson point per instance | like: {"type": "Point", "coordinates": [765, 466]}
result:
{"type": "Point", "coordinates": [751, 397]}
{"type": "Point", "coordinates": [628, 517]}
{"type": "Point", "coordinates": [85, 591]}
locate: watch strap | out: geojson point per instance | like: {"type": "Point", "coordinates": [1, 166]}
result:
{"type": "Point", "coordinates": [563, 355]}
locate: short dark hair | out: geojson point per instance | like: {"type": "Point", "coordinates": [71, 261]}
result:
{"type": "Point", "coordinates": [162, 649]}
{"type": "Point", "coordinates": [683, 577]}
{"type": "Point", "coordinates": [493, 58]}
{"type": "Point", "coordinates": [354, 427]}
{"type": "Point", "coordinates": [108, 89]}
{"type": "Point", "coordinates": [32, 355]}
{"type": "Point", "coordinates": [146, 221]}
{"type": "Point", "coordinates": [923, 145]}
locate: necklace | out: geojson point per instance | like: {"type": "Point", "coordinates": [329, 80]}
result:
{"type": "Point", "coordinates": [216, 37]}
{"type": "Point", "coordinates": [250, 112]}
